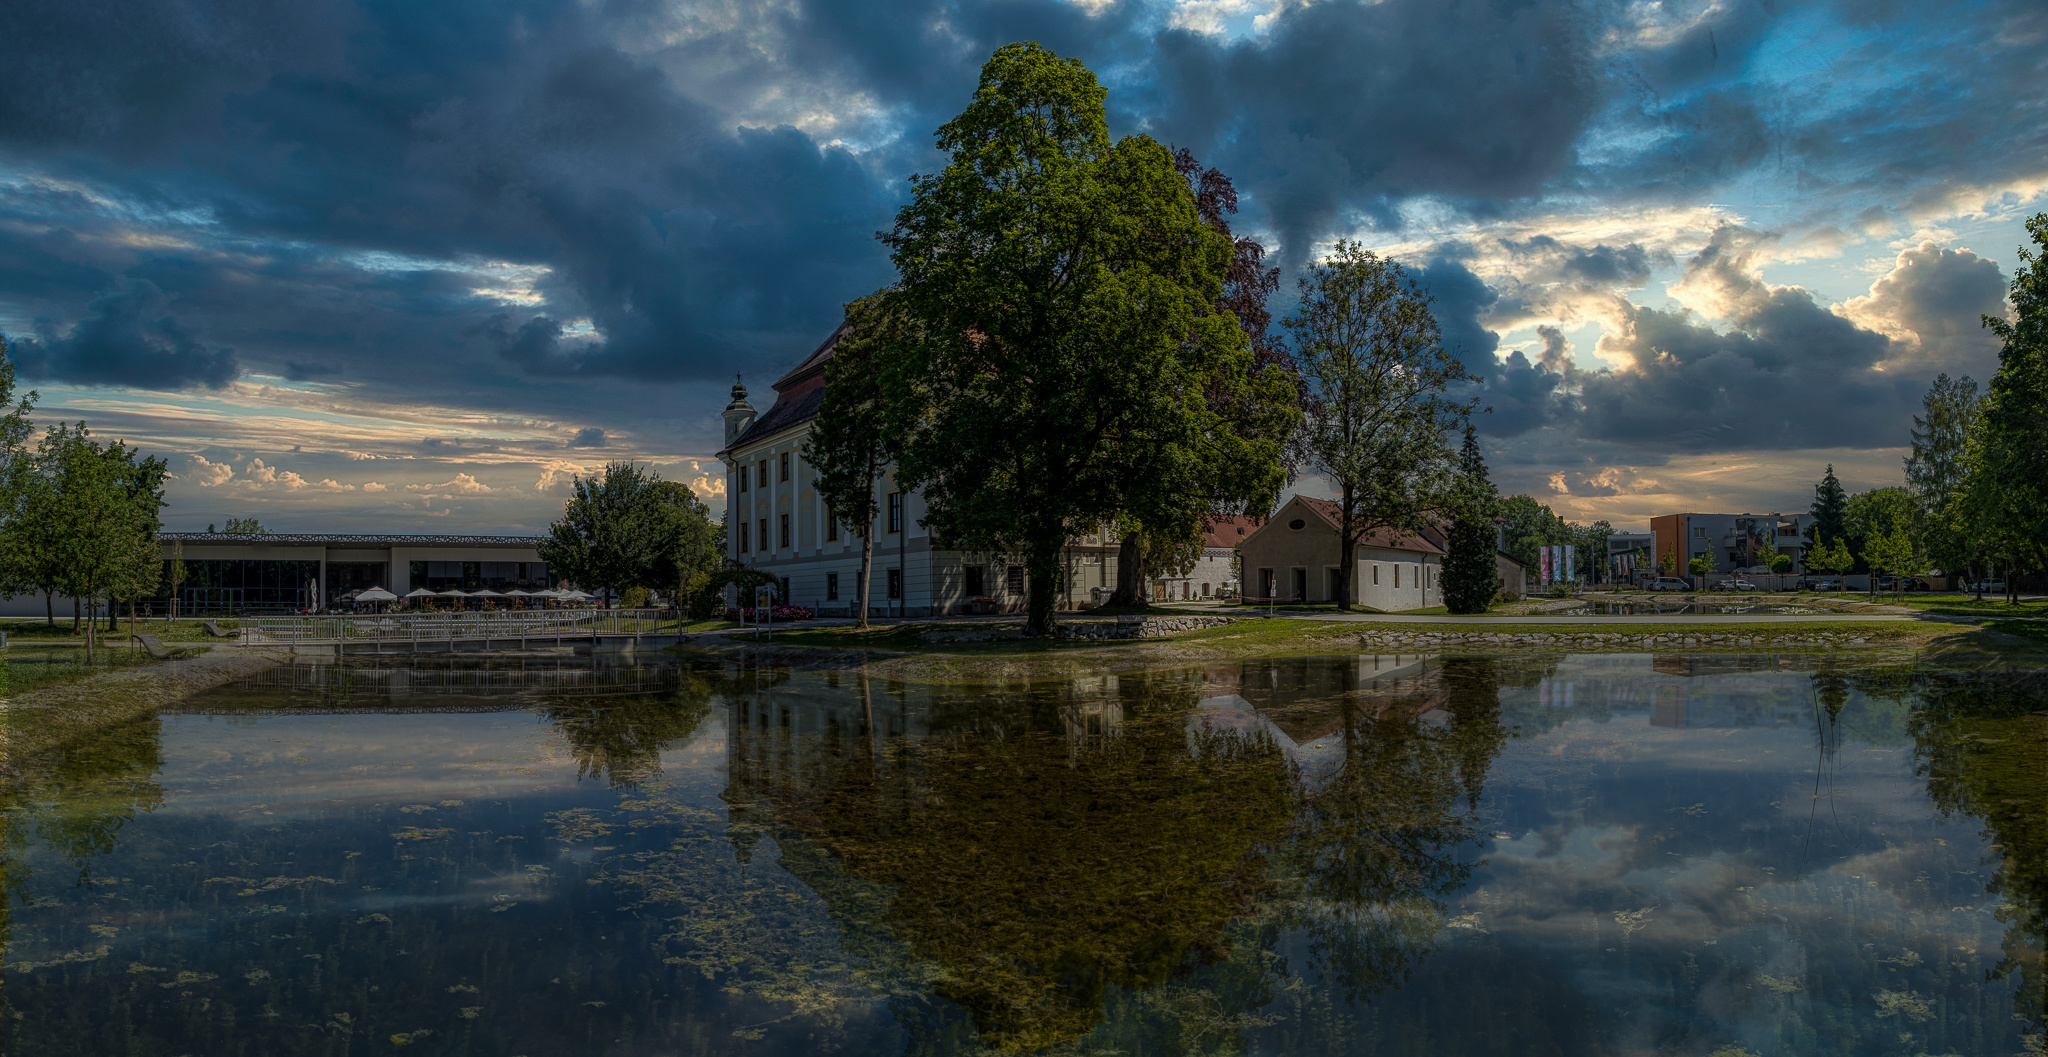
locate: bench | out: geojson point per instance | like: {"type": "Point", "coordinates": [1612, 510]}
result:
{"type": "Point", "coordinates": [155, 646]}
{"type": "Point", "coordinates": [214, 630]}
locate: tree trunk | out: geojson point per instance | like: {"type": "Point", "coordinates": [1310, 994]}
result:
{"type": "Point", "coordinates": [74, 614]}
{"type": "Point", "coordinates": [1130, 572]}
{"type": "Point", "coordinates": [1347, 549]}
{"type": "Point", "coordinates": [50, 607]}
{"type": "Point", "coordinates": [1042, 567]}
{"type": "Point", "coordinates": [867, 572]}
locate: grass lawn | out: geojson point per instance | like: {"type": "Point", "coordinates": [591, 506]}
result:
{"type": "Point", "coordinates": [1968, 606]}
{"type": "Point", "coordinates": [167, 630]}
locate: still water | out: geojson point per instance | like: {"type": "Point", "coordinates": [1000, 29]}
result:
{"type": "Point", "coordinates": [1361, 855]}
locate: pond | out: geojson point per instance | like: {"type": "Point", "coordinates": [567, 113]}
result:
{"type": "Point", "coordinates": [1361, 855]}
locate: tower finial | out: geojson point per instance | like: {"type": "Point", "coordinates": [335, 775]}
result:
{"type": "Point", "coordinates": [739, 390]}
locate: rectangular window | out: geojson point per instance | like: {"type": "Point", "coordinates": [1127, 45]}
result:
{"type": "Point", "coordinates": [761, 474]}
{"type": "Point", "coordinates": [895, 583]}
{"type": "Point", "coordinates": [831, 587]}
{"type": "Point", "coordinates": [784, 598]}
{"type": "Point", "coordinates": [763, 529]}
{"type": "Point", "coordinates": [1375, 575]}
{"type": "Point", "coordinates": [831, 526]}
{"type": "Point", "coordinates": [784, 530]}
{"type": "Point", "coordinates": [1013, 578]}
{"type": "Point", "coordinates": [785, 466]}
{"type": "Point", "coordinates": [1397, 576]}
{"type": "Point", "coordinates": [740, 472]}
{"type": "Point", "coordinates": [977, 583]}
{"type": "Point", "coordinates": [895, 511]}
{"type": "Point", "coordinates": [742, 534]}
{"type": "Point", "coordinates": [1699, 532]}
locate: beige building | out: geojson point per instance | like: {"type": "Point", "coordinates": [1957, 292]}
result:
{"type": "Point", "coordinates": [1294, 557]}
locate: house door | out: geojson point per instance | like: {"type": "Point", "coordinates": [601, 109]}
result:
{"type": "Point", "coordinates": [1335, 583]}
{"type": "Point", "coordinates": [1301, 585]}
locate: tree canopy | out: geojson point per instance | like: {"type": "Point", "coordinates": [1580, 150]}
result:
{"type": "Point", "coordinates": [1069, 365]}
{"type": "Point", "coordinates": [1378, 376]}
{"type": "Point", "coordinates": [626, 527]}
{"type": "Point", "coordinates": [1471, 573]}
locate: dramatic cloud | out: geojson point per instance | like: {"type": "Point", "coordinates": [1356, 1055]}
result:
{"type": "Point", "coordinates": [456, 233]}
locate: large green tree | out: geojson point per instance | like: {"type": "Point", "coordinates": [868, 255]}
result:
{"type": "Point", "coordinates": [1471, 574]}
{"type": "Point", "coordinates": [1938, 470]}
{"type": "Point", "coordinates": [851, 442]}
{"type": "Point", "coordinates": [1069, 364]}
{"type": "Point", "coordinates": [606, 537]}
{"type": "Point", "coordinates": [1830, 512]}
{"type": "Point", "coordinates": [1879, 513]}
{"type": "Point", "coordinates": [1380, 416]}
{"type": "Point", "coordinates": [2015, 423]}
{"type": "Point", "coordinates": [1171, 550]}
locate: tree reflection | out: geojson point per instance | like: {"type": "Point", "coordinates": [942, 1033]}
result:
{"type": "Point", "coordinates": [1049, 851]}
{"type": "Point", "coordinates": [1380, 842]}
{"type": "Point", "coordinates": [1053, 847]}
{"type": "Point", "coordinates": [1983, 747]}
{"type": "Point", "coordinates": [74, 801]}
{"type": "Point", "coordinates": [621, 738]}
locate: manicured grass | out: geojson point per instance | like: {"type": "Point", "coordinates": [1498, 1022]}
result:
{"type": "Point", "coordinates": [167, 630]}
{"type": "Point", "coordinates": [1967, 606]}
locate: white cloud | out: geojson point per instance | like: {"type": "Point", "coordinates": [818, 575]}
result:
{"type": "Point", "coordinates": [460, 484]}
{"type": "Point", "coordinates": [373, 486]}
{"type": "Point", "coordinates": [210, 474]}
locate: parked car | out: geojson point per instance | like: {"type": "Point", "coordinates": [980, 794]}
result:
{"type": "Point", "coordinates": [1990, 587]}
{"type": "Point", "coordinates": [1901, 583]}
{"type": "Point", "coordinates": [1820, 585]}
{"type": "Point", "coordinates": [1667, 583]}
{"type": "Point", "coordinates": [1734, 585]}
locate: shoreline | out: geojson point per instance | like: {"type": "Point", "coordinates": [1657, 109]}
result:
{"type": "Point", "coordinates": [52, 716]}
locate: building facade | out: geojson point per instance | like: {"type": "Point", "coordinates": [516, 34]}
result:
{"type": "Point", "coordinates": [1294, 557]}
{"type": "Point", "coordinates": [288, 571]}
{"type": "Point", "coordinates": [1735, 543]}
{"type": "Point", "coordinates": [776, 523]}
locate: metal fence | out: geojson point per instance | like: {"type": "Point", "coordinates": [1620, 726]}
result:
{"type": "Point", "coordinates": [507, 624]}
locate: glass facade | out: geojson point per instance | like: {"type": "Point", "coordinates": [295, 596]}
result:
{"type": "Point", "coordinates": [242, 583]}
{"type": "Point", "coordinates": [472, 576]}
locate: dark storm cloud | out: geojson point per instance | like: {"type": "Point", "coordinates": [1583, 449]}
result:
{"type": "Point", "coordinates": [335, 189]}
{"type": "Point", "coordinates": [1355, 107]}
{"type": "Point", "coordinates": [130, 338]}
{"type": "Point", "coordinates": [587, 437]}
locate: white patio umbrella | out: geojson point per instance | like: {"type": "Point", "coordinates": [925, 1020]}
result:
{"type": "Point", "coordinates": [486, 593]}
{"type": "Point", "coordinates": [453, 592]}
{"type": "Point", "coordinates": [376, 594]}
{"type": "Point", "coordinates": [419, 592]}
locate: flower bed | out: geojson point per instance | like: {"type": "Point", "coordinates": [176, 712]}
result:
{"type": "Point", "coordinates": [778, 614]}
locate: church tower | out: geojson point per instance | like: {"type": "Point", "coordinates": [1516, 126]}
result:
{"type": "Point", "coordinates": [739, 414]}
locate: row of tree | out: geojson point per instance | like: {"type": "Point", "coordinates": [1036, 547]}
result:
{"type": "Point", "coordinates": [78, 516]}
{"type": "Point", "coordinates": [1975, 501]}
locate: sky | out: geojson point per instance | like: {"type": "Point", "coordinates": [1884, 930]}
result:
{"type": "Point", "coordinates": [383, 266]}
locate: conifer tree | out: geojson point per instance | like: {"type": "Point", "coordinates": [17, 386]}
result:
{"type": "Point", "coordinates": [1830, 511]}
{"type": "Point", "coordinates": [1471, 574]}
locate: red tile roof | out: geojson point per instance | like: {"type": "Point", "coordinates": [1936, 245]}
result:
{"type": "Point", "coordinates": [1229, 530]}
{"type": "Point", "coordinates": [1393, 541]}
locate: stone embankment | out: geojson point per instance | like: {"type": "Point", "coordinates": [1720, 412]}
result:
{"type": "Point", "coordinates": [1118, 628]}
{"type": "Point", "coordinates": [53, 715]}
{"type": "Point", "coordinates": [1758, 636]}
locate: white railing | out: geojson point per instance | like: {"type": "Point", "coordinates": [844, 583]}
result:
{"type": "Point", "coordinates": [506, 624]}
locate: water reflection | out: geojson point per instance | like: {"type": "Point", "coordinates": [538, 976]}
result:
{"type": "Point", "coordinates": [1677, 854]}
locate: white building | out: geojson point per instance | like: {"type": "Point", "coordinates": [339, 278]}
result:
{"type": "Point", "coordinates": [1294, 557]}
{"type": "Point", "coordinates": [776, 523]}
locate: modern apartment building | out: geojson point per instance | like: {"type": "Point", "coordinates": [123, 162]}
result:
{"type": "Point", "coordinates": [1737, 543]}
